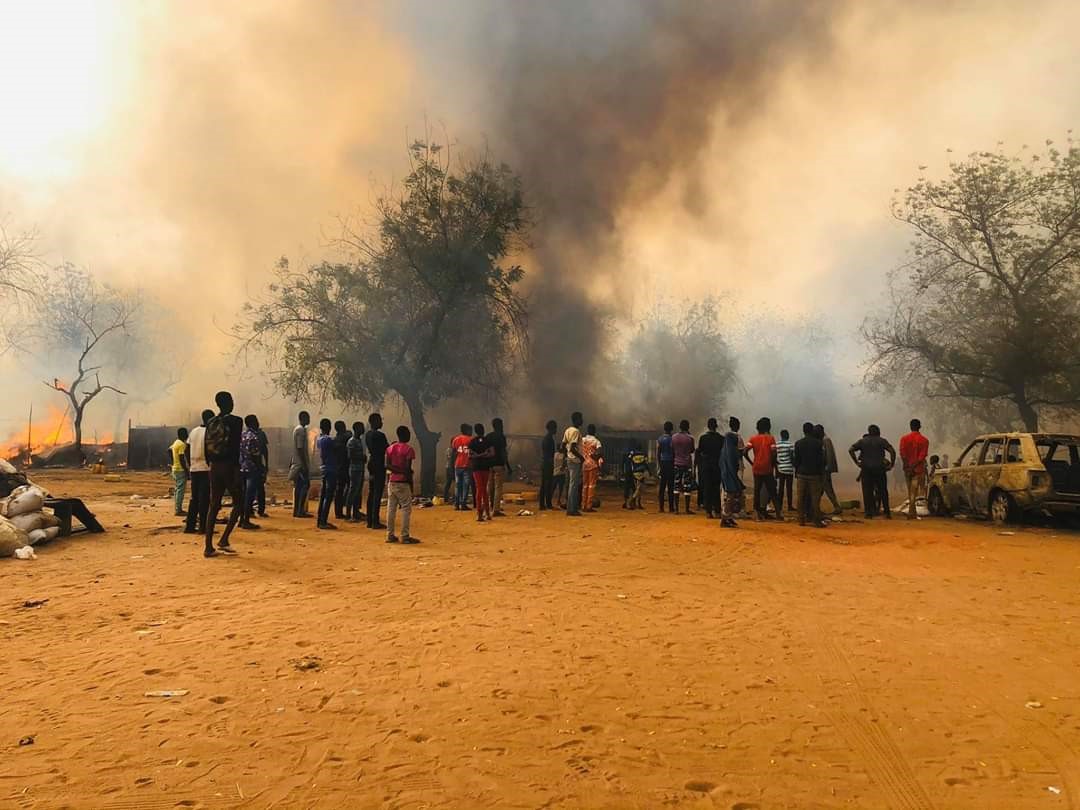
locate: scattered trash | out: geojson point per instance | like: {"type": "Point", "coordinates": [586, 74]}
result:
{"type": "Point", "coordinates": [25, 553]}
{"type": "Point", "coordinates": [166, 693]}
{"type": "Point", "coordinates": [1055, 790]}
{"type": "Point", "coordinates": [27, 740]}
{"type": "Point", "coordinates": [138, 497]}
{"type": "Point", "coordinates": [1007, 534]}
{"type": "Point", "coordinates": [1033, 704]}
{"type": "Point", "coordinates": [307, 663]}
{"type": "Point", "coordinates": [525, 513]}
{"type": "Point", "coordinates": [620, 596]}
{"type": "Point", "coordinates": [33, 603]}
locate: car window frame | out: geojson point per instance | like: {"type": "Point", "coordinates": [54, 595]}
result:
{"type": "Point", "coordinates": [1009, 442]}
{"type": "Point", "coordinates": [963, 460]}
{"type": "Point", "coordinates": [987, 443]}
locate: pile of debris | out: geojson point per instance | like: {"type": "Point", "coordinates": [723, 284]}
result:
{"type": "Point", "coordinates": [24, 520]}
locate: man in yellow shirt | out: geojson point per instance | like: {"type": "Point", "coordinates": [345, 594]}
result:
{"type": "Point", "coordinates": [181, 471]}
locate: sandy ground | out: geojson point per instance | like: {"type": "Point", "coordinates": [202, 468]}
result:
{"type": "Point", "coordinates": [614, 660]}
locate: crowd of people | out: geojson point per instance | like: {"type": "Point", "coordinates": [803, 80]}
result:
{"type": "Point", "coordinates": [229, 455]}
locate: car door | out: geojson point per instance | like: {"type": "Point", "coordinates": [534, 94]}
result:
{"type": "Point", "coordinates": [984, 476]}
{"type": "Point", "coordinates": [958, 483]}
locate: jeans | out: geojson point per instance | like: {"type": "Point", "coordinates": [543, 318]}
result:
{"type": "Point", "coordinates": [483, 505]}
{"type": "Point", "coordinates": [875, 487]}
{"type": "Point", "coordinates": [224, 477]}
{"type": "Point", "coordinates": [376, 485]}
{"type": "Point", "coordinates": [260, 498]}
{"type": "Point", "coordinates": [252, 481]}
{"type": "Point", "coordinates": [763, 499]}
{"type": "Point", "coordinates": [547, 474]}
{"type": "Point", "coordinates": [573, 485]}
{"type": "Point", "coordinates": [462, 476]}
{"type": "Point", "coordinates": [180, 484]}
{"type": "Point", "coordinates": [199, 503]}
{"type": "Point", "coordinates": [400, 497]}
{"type": "Point", "coordinates": [356, 488]}
{"type": "Point", "coordinates": [785, 481]}
{"type": "Point", "coordinates": [710, 488]}
{"type": "Point", "coordinates": [326, 495]}
{"type": "Point", "coordinates": [301, 486]}
{"type": "Point", "coordinates": [808, 496]}
{"type": "Point", "coordinates": [498, 476]}
{"type": "Point", "coordinates": [667, 484]}
{"type": "Point", "coordinates": [341, 494]}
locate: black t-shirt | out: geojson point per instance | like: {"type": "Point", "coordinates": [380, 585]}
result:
{"type": "Point", "coordinates": [377, 446]}
{"type": "Point", "coordinates": [710, 445]}
{"type": "Point", "coordinates": [480, 444]}
{"type": "Point", "coordinates": [872, 451]}
{"type": "Point", "coordinates": [547, 448]}
{"type": "Point", "coordinates": [498, 441]}
{"type": "Point", "coordinates": [809, 456]}
{"type": "Point", "coordinates": [341, 448]}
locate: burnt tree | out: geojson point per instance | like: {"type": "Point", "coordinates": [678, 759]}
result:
{"type": "Point", "coordinates": [425, 309]}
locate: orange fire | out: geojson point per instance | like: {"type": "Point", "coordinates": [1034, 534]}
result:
{"type": "Point", "coordinates": [53, 429]}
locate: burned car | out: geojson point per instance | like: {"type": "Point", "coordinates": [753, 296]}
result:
{"type": "Point", "coordinates": [1003, 475]}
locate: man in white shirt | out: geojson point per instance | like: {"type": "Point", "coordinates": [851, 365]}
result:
{"type": "Point", "coordinates": [200, 478]}
{"type": "Point", "coordinates": [300, 468]}
{"type": "Point", "coordinates": [574, 459]}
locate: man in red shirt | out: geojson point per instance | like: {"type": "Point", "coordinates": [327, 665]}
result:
{"type": "Point", "coordinates": [913, 450]}
{"type": "Point", "coordinates": [763, 447]}
{"type": "Point", "coordinates": [399, 459]}
{"type": "Point", "coordinates": [462, 473]}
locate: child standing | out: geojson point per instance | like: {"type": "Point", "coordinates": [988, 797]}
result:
{"type": "Point", "coordinates": [399, 459]}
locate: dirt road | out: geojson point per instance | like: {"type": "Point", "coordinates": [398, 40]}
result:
{"type": "Point", "coordinates": [618, 660]}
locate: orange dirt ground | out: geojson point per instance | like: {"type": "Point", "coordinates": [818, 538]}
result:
{"type": "Point", "coordinates": [618, 660]}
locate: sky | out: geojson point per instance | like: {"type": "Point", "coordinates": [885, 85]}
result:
{"type": "Point", "coordinates": [672, 150]}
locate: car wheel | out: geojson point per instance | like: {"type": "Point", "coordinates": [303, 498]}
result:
{"type": "Point", "coordinates": [1002, 508]}
{"type": "Point", "coordinates": [935, 502]}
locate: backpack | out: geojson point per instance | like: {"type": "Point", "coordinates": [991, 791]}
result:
{"type": "Point", "coordinates": [216, 438]}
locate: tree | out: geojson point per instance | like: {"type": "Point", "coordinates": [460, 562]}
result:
{"type": "Point", "coordinates": [424, 310]}
{"type": "Point", "coordinates": [20, 275]}
{"type": "Point", "coordinates": [80, 321]}
{"type": "Point", "coordinates": [988, 307]}
{"type": "Point", "coordinates": [677, 363]}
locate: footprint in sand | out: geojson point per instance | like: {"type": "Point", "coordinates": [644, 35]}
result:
{"type": "Point", "coordinates": [589, 727]}
{"type": "Point", "coordinates": [151, 671]}
{"type": "Point", "coordinates": [699, 786]}
{"type": "Point", "coordinates": [219, 699]}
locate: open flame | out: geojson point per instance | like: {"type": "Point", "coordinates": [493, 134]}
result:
{"type": "Point", "coordinates": [52, 429]}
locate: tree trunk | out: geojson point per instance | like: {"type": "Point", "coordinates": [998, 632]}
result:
{"type": "Point", "coordinates": [429, 444]}
{"type": "Point", "coordinates": [77, 423]}
{"type": "Point", "coordinates": [1029, 415]}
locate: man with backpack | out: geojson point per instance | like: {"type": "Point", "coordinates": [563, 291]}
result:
{"type": "Point", "coordinates": [222, 447]}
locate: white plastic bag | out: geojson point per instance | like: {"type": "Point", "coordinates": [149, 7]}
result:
{"type": "Point", "coordinates": [25, 553]}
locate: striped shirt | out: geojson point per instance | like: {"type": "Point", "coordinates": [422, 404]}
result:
{"type": "Point", "coordinates": [785, 457]}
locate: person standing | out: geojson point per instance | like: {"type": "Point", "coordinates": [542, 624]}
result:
{"type": "Point", "coordinates": [831, 467]}
{"type": "Point", "coordinates": [264, 452]}
{"type": "Point", "coordinates": [547, 464]}
{"type": "Point", "coordinates": [399, 461]}
{"type": "Point", "coordinates": [357, 457]}
{"type": "Point", "coordinates": [558, 478]}
{"type": "Point", "coordinates": [341, 455]}
{"type": "Point", "coordinates": [376, 447]}
{"type": "Point", "coordinates": [665, 457]}
{"type": "Point", "coordinates": [730, 466]}
{"type": "Point", "coordinates": [501, 468]}
{"type": "Point", "coordinates": [592, 453]}
{"type": "Point", "coordinates": [251, 468]}
{"type": "Point", "coordinates": [914, 448]}
{"type": "Point", "coordinates": [178, 453]}
{"type": "Point", "coordinates": [709, 450]}
{"type": "Point", "coordinates": [448, 484]}
{"type": "Point", "coordinates": [785, 471]}
{"type": "Point", "coordinates": [300, 468]}
{"type": "Point", "coordinates": [574, 460]}
{"type": "Point", "coordinates": [200, 477]}
{"type": "Point", "coordinates": [809, 459]}
{"type": "Point", "coordinates": [762, 446]}
{"type": "Point", "coordinates": [328, 461]}
{"type": "Point", "coordinates": [682, 447]}
{"type": "Point", "coordinates": [462, 467]}
{"type": "Point", "coordinates": [222, 446]}
{"type": "Point", "coordinates": [871, 450]}
{"type": "Point", "coordinates": [481, 457]}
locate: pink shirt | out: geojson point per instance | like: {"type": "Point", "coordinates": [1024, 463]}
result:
{"type": "Point", "coordinates": [398, 456]}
